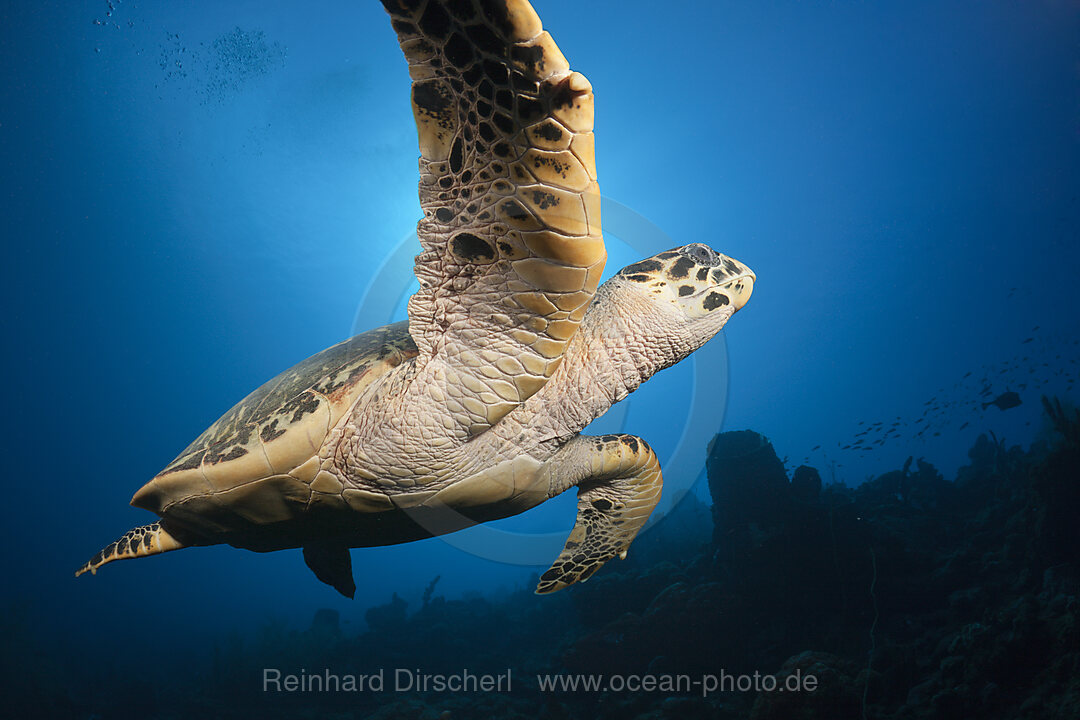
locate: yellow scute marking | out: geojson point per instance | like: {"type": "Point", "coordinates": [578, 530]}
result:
{"type": "Point", "coordinates": [501, 482]}
{"type": "Point", "coordinates": [227, 474]}
{"type": "Point", "coordinates": [299, 441]}
{"type": "Point", "coordinates": [270, 500]}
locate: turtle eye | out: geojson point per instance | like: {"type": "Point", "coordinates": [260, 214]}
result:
{"type": "Point", "coordinates": [701, 254]}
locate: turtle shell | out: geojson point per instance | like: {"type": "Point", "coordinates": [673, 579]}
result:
{"type": "Point", "coordinates": [255, 465]}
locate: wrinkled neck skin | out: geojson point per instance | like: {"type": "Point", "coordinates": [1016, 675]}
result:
{"type": "Point", "coordinates": [624, 339]}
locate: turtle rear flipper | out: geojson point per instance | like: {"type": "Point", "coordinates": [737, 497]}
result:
{"type": "Point", "coordinates": [138, 542]}
{"type": "Point", "coordinates": [333, 565]}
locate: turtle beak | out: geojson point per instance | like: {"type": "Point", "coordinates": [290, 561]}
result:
{"type": "Point", "coordinates": [742, 290]}
{"type": "Point", "coordinates": [741, 284]}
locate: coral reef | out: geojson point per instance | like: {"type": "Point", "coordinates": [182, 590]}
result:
{"type": "Point", "coordinates": [910, 597]}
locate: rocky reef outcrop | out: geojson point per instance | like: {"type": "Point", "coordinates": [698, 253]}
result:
{"type": "Point", "coordinates": [909, 597]}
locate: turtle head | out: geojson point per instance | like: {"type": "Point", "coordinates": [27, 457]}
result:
{"type": "Point", "coordinates": [667, 306]}
{"type": "Point", "coordinates": [695, 278]}
{"type": "Point", "coordinates": [694, 290]}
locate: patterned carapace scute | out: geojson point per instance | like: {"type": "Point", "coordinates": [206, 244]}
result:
{"type": "Point", "coordinates": [282, 423]}
{"type": "Point", "coordinates": [511, 245]}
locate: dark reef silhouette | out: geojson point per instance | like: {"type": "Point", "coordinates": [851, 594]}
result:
{"type": "Point", "coordinates": [910, 596]}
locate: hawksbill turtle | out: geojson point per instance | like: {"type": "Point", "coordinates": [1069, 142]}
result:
{"type": "Point", "coordinates": [472, 409]}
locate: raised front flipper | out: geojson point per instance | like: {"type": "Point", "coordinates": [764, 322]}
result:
{"type": "Point", "coordinates": [619, 483]}
{"type": "Point", "coordinates": [512, 250]}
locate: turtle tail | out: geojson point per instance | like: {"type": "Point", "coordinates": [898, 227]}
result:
{"type": "Point", "coordinates": [139, 542]}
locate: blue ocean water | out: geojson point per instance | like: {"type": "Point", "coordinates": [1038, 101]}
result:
{"type": "Point", "coordinates": [197, 196]}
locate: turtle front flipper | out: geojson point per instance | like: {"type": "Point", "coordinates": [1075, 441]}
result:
{"type": "Point", "coordinates": [138, 542]}
{"type": "Point", "coordinates": [619, 483]}
{"type": "Point", "coordinates": [512, 250]}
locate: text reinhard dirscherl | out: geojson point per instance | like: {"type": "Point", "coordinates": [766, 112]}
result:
{"type": "Point", "coordinates": [401, 680]}
{"type": "Point", "coordinates": [415, 680]}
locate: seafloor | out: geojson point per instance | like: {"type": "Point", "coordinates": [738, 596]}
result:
{"type": "Point", "coordinates": [911, 596]}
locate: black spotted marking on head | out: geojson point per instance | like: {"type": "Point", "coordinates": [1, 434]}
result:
{"type": "Point", "coordinates": [703, 274]}
{"type": "Point", "coordinates": [731, 267]}
{"type": "Point", "coordinates": [667, 255]}
{"type": "Point", "coordinates": [544, 199]}
{"type": "Point", "coordinates": [631, 442]}
{"type": "Point", "coordinates": [680, 268]}
{"type": "Point", "coordinates": [472, 248]}
{"type": "Point", "coordinates": [444, 215]}
{"type": "Point", "coordinates": [714, 300]}
{"type": "Point", "coordinates": [457, 156]}
{"type": "Point", "coordinates": [718, 276]}
{"type": "Point", "coordinates": [685, 290]}
{"type": "Point", "coordinates": [639, 277]}
{"type": "Point", "coordinates": [609, 438]}
{"type": "Point", "coordinates": [642, 266]}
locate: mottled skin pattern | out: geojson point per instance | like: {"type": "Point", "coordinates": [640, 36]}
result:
{"type": "Point", "coordinates": [472, 411]}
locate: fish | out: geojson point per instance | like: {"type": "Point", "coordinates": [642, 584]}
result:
{"type": "Point", "coordinates": [1005, 401]}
